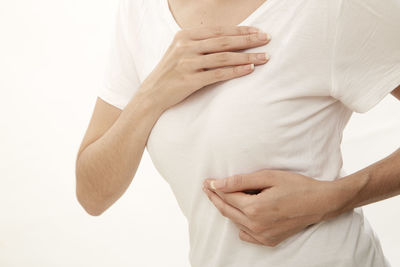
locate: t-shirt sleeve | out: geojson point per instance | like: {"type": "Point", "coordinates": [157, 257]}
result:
{"type": "Point", "coordinates": [365, 52]}
{"type": "Point", "coordinates": [120, 78]}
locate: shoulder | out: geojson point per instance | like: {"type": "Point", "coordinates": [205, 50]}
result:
{"type": "Point", "coordinates": [372, 21]}
{"type": "Point", "coordinates": [132, 3]}
{"type": "Point", "coordinates": [131, 7]}
{"type": "Point", "coordinates": [131, 13]}
{"type": "Point", "coordinates": [383, 10]}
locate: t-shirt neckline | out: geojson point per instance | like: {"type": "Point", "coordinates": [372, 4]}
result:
{"type": "Point", "coordinates": [175, 26]}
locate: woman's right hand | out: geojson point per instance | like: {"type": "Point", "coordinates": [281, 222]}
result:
{"type": "Point", "coordinates": [201, 56]}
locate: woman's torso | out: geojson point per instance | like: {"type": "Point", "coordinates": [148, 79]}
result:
{"type": "Point", "coordinates": [281, 116]}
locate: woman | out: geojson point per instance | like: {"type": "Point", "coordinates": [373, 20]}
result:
{"type": "Point", "coordinates": [173, 86]}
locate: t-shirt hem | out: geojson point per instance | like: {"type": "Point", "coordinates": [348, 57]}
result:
{"type": "Point", "coordinates": [112, 98]}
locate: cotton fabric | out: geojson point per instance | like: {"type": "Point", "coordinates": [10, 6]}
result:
{"type": "Point", "coordinates": [328, 60]}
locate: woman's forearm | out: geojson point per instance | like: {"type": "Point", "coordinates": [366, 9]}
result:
{"type": "Point", "coordinates": [106, 167]}
{"type": "Point", "coordinates": [378, 181]}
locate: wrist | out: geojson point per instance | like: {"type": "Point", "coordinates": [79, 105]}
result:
{"type": "Point", "coordinates": [344, 192]}
{"type": "Point", "coordinates": [147, 102]}
{"type": "Point", "coordinates": [152, 94]}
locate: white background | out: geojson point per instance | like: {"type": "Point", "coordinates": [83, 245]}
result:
{"type": "Point", "coordinates": [52, 58]}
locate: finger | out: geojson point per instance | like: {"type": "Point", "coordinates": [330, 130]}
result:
{"type": "Point", "coordinates": [284, 230]}
{"type": "Point", "coordinates": [223, 74]}
{"type": "Point", "coordinates": [227, 210]}
{"type": "Point", "coordinates": [244, 228]}
{"type": "Point", "coordinates": [238, 200]}
{"type": "Point", "coordinates": [241, 182]}
{"type": "Point", "coordinates": [276, 240]}
{"type": "Point", "coordinates": [283, 236]}
{"type": "Point", "coordinates": [222, 59]}
{"type": "Point", "coordinates": [243, 235]}
{"type": "Point", "coordinates": [231, 43]}
{"type": "Point", "coordinates": [200, 33]}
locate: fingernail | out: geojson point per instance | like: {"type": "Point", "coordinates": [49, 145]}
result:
{"type": "Point", "coordinates": [262, 56]}
{"type": "Point", "coordinates": [254, 29]}
{"type": "Point", "coordinates": [212, 185]}
{"type": "Point", "coordinates": [217, 184]}
{"type": "Point", "coordinates": [262, 36]}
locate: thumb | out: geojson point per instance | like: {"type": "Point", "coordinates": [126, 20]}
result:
{"type": "Point", "coordinates": [241, 182]}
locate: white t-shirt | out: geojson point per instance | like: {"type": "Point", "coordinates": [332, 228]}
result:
{"type": "Point", "coordinates": [328, 60]}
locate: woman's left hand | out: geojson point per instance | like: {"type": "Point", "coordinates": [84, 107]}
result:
{"type": "Point", "coordinates": [288, 203]}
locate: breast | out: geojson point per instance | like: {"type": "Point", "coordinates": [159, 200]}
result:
{"type": "Point", "coordinates": [236, 126]}
{"type": "Point", "coordinates": [270, 118]}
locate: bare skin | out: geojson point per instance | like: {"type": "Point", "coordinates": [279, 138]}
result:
{"type": "Point", "coordinates": [114, 142]}
{"type": "Point", "coordinates": [117, 140]}
{"type": "Point", "coordinates": [113, 145]}
{"type": "Point", "coordinates": [191, 13]}
{"type": "Point", "coordinates": [253, 213]}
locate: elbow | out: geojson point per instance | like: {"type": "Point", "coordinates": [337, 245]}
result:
{"type": "Point", "coordinates": [92, 209]}
{"type": "Point", "coordinates": [94, 206]}
{"type": "Point", "coordinates": [94, 212]}
{"type": "Point", "coordinates": [93, 203]}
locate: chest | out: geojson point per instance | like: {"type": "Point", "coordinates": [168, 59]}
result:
{"type": "Point", "coordinates": [272, 114]}
{"type": "Point", "coordinates": [189, 14]}
{"type": "Point", "coordinates": [295, 79]}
